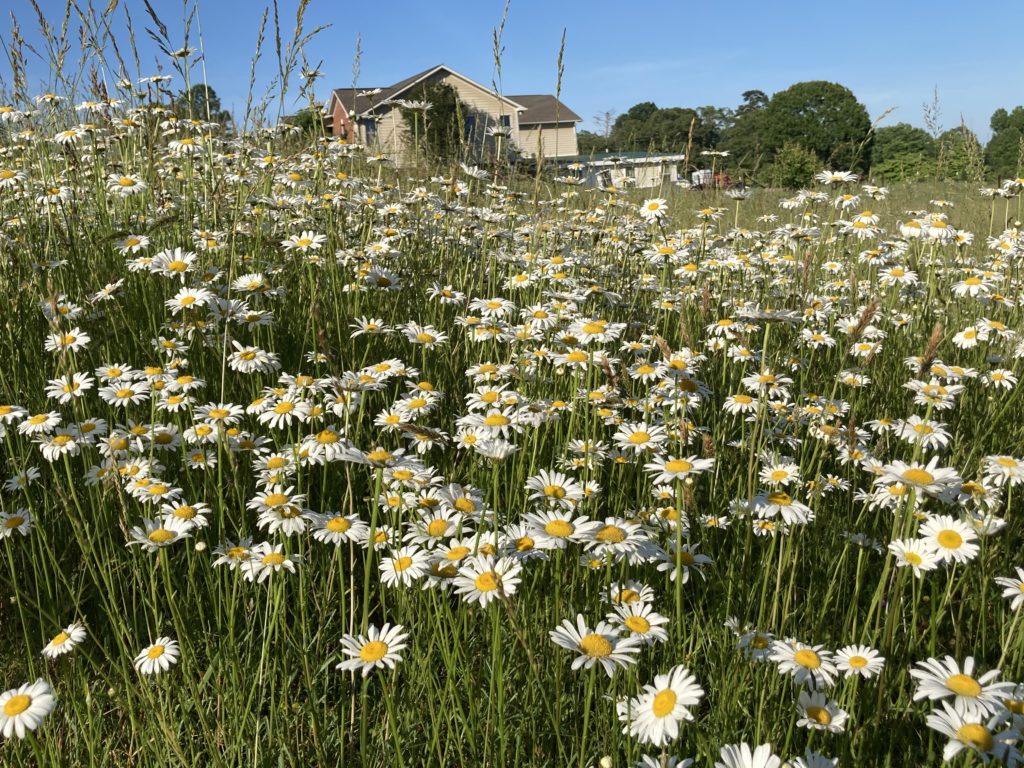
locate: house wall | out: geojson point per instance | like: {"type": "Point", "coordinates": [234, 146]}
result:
{"type": "Point", "coordinates": [554, 140]}
{"type": "Point", "coordinates": [633, 175]}
{"type": "Point", "coordinates": [340, 123]}
{"type": "Point", "coordinates": [393, 138]}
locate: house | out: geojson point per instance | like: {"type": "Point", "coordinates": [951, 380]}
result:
{"type": "Point", "coordinates": [637, 170]}
{"type": "Point", "coordinates": [536, 125]}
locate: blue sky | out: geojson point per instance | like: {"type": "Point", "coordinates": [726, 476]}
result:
{"type": "Point", "coordinates": [890, 54]}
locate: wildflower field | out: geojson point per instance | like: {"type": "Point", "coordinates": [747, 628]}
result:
{"type": "Point", "coordinates": [312, 460]}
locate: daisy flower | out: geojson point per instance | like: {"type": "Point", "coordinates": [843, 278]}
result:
{"type": "Point", "coordinates": [819, 713]}
{"type": "Point", "coordinates": [669, 469]}
{"type": "Point", "coordinates": [806, 663]}
{"type": "Point", "coordinates": [654, 716]}
{"type": "Point", "coordinates": [952, 539]}
{"type": "Point", "coordinates": [65, 640]}
{"type": "Point", "coordinates": [742, 756]}
{"type": "Point", "coordinates": [24, 709]}
{"type": "Point", "coordinates": [377, 649]}
{"type": "Point", "coordinates": [975, 730]}
{"type": "Point", "coordinates": [554, 488]}
{"type": "Point", "coordinates": [941, 679]}
{"type": "Point", "coordinates": [640, 620]}
{"type": "Point", "coordinates": [158, 656]}
{"type": "Point", "coordinates": [1013, 589]}
{"type": "Point", "coordinates": [859, 660]}
{"type": "Point", "coordinates": [483, 578]}
{"type": "Point", "coordinates": [918, 554]}
{"type": "Point", "coordinates": [602, 645]}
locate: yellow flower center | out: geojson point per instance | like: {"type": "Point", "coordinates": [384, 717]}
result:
{"type": "Point", "coordinates": [403, 563]}
{"type": "Point", "coordinates": [949, 539]}
{"type": "Point", "coordinates": [857, 662]}
{"type": "Point", "coordinates": [561, 529]}
{"type": "Point", "coordinates": [918, 476]}
{"type": "Point", "coordinates": [611, 534]}
{"type": "Point", "coordinates": [637, 624]}
{"type": "Point", "coordinates": [639, 438]}
{"type": "Point", "coordinates": [273, 559]}
{"type": "Point", "coordinates": [964, 685]}
{"type": "Point", "coordinates": [819, 714]}
{"type": "Point", "coordinates": [155, 652]}
{"type": "Point", "coordinates": [337, 525]}
{"type": "Point", "coordinates": [161, 536]}
{"type": "Point", "coordinates": [373, 651]}
{"type": "Point", "coordinates": [17, 704]}
{"type": "Point", "coordinates": [664, 703]}
{"type": "Point", "coordinates": [807, 658]}
{"type": "Point", "coordinates": [596, 646]}
{"type": "Point", "coordinates": [678, 466]}
{"type": "Point", "coordinates": [975, 735]}
{"type": "Point", "coordinates": [486, 582]}
{"type": "Point", "coordinates": [437, 528]}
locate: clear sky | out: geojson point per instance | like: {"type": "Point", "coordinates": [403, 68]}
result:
{"type": "Point", "coordinates": [890, 54]}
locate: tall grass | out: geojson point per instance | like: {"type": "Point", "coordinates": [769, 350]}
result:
{"type": "Point", "coordinates": [712, 292]}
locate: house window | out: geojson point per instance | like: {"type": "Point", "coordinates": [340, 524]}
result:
{"type": "Point", "coordinates": [469, 126]}
{"type": "Point", "coordinates": [370, 128]}
{"type": "Point", "coordinates": [506, 121]}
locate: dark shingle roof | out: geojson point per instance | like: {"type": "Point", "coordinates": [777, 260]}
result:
{"type": "Point", "coordinates": [544, 108]}
{"type": "Point", "coordinates": [352, 98]}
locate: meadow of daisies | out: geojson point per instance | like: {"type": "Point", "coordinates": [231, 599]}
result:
{"type": "Point", "coordinates": [312, 460]}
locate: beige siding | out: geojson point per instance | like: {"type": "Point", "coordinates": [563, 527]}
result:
{"type": "Point", "coordinates": [549, 140]}
{"type": "Point", "coordinates": [486, 109]}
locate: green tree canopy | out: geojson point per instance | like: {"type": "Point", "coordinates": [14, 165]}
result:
{"type": "Point", "coordinates": [823, 117]}
{"type": "Point", "coordinates": [646, 126]}
{"type": "Point", "coordinates": [201, 102]}
{"type": "Point", "coordinates": [894, 141]}
{"type": "Point", "coordinates": [960, 155]}
{"type": "Point", "coordinates": [438, 129]}
{"type": "Point", "coordinates": [1005, 150]}
{"type": "Point", "coordinates": [744, 138]}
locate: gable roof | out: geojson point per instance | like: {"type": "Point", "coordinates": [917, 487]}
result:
{"type": "Point", "coordinates": [544, 108]}
{"type": "Point", "coordinates": [355, 98]}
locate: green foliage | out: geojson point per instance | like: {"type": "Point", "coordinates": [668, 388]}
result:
{"type": "Point", "coordinates": [1005, 149]}
{"type": "Point", "coordinates": [794, 166]}
{"type": "Point", "coordinates": [900, 140]}
{"type": "Point", "coordinates": [904, 166]}
{"type": "Point", "coordinates": [903, 152]}
{"type": "Point", "coordinates": [647, 127]}
{"type": "Point", "coordinates": [825, 118]}
{"type": "Point", "coordinates": [960, 155]}
{"type": "Point", "coordinates": [437, 131]}
{"type": "Point", "coordinates": [308, 120]}
{"type": "Point", "coordinates": [744, 139]}
{"type": "Point", "coordinates": [590, 143]}
{"type": "Point", "coordinates": [201, 102]}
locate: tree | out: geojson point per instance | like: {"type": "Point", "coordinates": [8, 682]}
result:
{"type": "Point", "coordinates": [903, 152]}
{"type": "Point", "coordinates": [794, 166]}
{"type": "Point", "coordinates": [604, 121]}
{"type": "Point", "coordinates": [201, 102]}
{"type": "Point", "coordinates": [901, 139]}
{"type": "Point", "coordinates": [960, 155]}
{"type": "Point", "coordinates": [753, 101]}
{"type": "Point", "coordinates": [1005, 150]}
{"type": "Point", "coordinates": [439, 128]}
{"type": "Point", "coordinates": [744, 137]}
{"type": "Point", "coordinates": [823, 117]}
{"type": "Point", "coordinates": [649, 128]}
{"type": "Point", "coordinates": [591, 143]}
{"type": "Point", "coordinates": [309, 120]}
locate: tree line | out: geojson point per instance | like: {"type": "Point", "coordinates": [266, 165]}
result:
{"type": "Point", "coordinates": [784, 138]}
